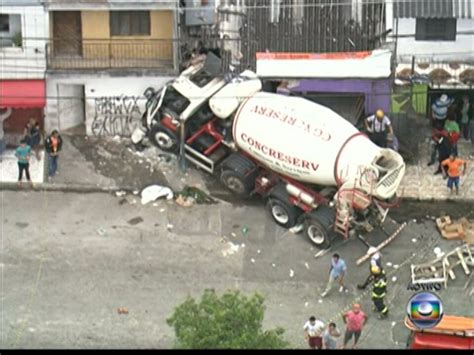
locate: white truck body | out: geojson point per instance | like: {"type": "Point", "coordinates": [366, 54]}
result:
{"type": "Point", "coordinates": [311, 143]}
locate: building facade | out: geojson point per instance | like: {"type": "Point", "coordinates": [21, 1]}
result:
{"type": "Point", "coordinates": [434, 42]}
{"type": "Point", "coordinates": [101, 57]}
{"type": "Point", "coordinates": [23, 38]}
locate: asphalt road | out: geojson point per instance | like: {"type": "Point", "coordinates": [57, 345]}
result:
{"type": "Point", "coordinates": [70, 260]}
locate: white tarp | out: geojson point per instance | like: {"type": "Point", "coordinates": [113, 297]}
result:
{"type": "Point", "coordinates": [345, 65]}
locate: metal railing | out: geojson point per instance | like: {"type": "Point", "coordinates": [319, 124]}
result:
{"type": "Point", "coordinates": [108, 54]}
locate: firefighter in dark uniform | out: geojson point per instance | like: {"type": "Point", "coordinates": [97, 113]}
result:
{"type": "Point", "coordinates": [375, 264]}
{"type": "Point", "coordinates": [379, 290]}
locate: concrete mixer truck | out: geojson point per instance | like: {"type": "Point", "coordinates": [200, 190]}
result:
{"type": "Point", "coordinates": [313, 168]}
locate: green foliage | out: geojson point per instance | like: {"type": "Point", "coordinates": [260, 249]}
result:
{"type": "Point", "coordinates": [232, 321]}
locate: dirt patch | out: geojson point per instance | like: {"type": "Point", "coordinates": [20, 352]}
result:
{"type": "Point", "coordinates": [115, 159]}
{"type": "Point", "coordinates": [425, 210]}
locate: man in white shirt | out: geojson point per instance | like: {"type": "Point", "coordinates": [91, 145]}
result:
{"type": "Point", "coordinates": [378, 126]}
{"type": "Point", "coordinates": [313, 330]}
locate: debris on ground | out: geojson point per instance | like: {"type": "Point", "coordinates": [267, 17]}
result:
{"type": "Point", "coordinates": [135, 221]}
{"type": "Point", "coordinates": [462, 229]}
{"type": "Point", "coordinates": [441, 268]}
{"type": "Point", "coordinates": [306, 265]}
{"type": "Point", "coordinates": [120, 193]}
{"type": "Point", "coordinates": [101, 232]}
{"type": "Point", "coordinates": [292, 273]}
{"type": "Point", "coordinates": [122, 201]}
{"type": "Point", "coordinates": [296, 229]}
{"type": "Point", "coordinates": [122, 310]}
{"type": "Point", "coordinates": [169, 226]}
{"type": "Point", "coordinates": [252, 260]}
{"type": "Point", "coordinates": [233, 235]}
{"type": "Point", "coordinates": [184, 201]}
{"type": "Point", "coordinates": [231, 249]}
{"type": "Point", "coordinates": [245, 230]}
{"type": "Point", "coordinates": [154, 192]}
{"type": "Point", "coordinates": [199, 196]}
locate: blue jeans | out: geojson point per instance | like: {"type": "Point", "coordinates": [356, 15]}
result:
{"type": "Point", "coordinates": [52, 164]}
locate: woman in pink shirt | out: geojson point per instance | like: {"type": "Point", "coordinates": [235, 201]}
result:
{"type": "Point", "coordinates": [355, 321]}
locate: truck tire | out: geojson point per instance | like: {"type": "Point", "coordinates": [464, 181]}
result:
{"type": "Point", "coordinates": [163, 138]}
{"type": "Point", "coordinates": [282, 211]}
{"type": "Point", "coordinates": [238, 175]}
{"type": "Point", "coordinates": [318, 226]}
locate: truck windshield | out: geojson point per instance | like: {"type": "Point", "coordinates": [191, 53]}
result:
{"type": "Point", "coordinates": [174, 102]}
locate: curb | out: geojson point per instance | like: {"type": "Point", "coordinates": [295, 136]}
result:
{"type": "Point", "coordinates": [78, 188]}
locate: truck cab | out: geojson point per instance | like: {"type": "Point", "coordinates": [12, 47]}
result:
{"type": "Point", "coordinates": [451, 333]}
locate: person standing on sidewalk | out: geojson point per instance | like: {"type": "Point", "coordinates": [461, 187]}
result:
{"type": "Point", "coordinates": [33, 137]}
{"type": "Point", "coordinates": [313, 330]}
{"type": "Point", "coordinates": [329, 337]}
{"type": "Point", "coordinates": [53, 145]}
{"type": "Point", "coordinates": [439, 111]}
{"type": "Point", "coordinates": [355, 321]}
{"type": "Point", "coordinates": [453, 165]}
{"type": "Point", "coordinates": [466, 117]}
{"type": "Point", "coordinates": [336, 273]}
{"type": "Point", "coordinates": [23, 153]}
{"type": "Point", "coordinates": [454, 132]}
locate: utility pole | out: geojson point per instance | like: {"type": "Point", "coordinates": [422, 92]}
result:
{"type": "Point", "coordinates": [182, 151]}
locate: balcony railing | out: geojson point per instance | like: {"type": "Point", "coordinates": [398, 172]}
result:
{"type": "Point", "coordinates": [109, 54]}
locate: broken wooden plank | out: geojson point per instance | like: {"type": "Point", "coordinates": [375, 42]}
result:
{"type": "Point", "coordinates": [383, 244]}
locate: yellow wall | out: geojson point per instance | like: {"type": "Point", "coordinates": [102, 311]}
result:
{"type": "Point", "coordinates": [95, 26]}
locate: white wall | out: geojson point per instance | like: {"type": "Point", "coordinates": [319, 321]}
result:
{"type": "Point", "coordinates": [460, 50]}
{"type": "Point", "coordinates": [28, 62]}
{"type": "Point", "coordinates": [113, 105]}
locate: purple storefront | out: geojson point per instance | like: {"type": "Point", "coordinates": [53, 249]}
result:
{"type": "Point", "coordinates": [359, 80]}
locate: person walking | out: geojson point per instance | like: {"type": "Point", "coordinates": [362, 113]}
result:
{"type": "Point", "coordinates": [336, 273]}
{"type": "Point", "coordinates": [355, 321]}
{"type": "Point", "coordinates": [466, 117]}
{"type": "Point", "coordinates": [33, 137]}
{"type": "Point", "coordinates": [313, 329]}
{"type": "Point", "coordinates": [379, 291]}
{"type": "Point", "coordinates": [439, 111]}
{"type": "Point", "coordinates": [453, 165]}
{"type": "Point", "coordinates": [53, 146]}
{"type": "Point", "coordinates": [23, 153]}
{"type": "Point", "coordinates": [378, 126]}
{"type": "Point", "coordinates": [329, 337]}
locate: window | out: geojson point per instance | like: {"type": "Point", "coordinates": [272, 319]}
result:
{"type": "Point", "coordinates": [4, 23]}
{"type": "Point", "coordinates": [10, 31]}
{"type": "Point", "coordinates": [204, 2]}
{"type": "Point", "coordinates": [130, 23]}
{"type": "Point", "coordinates": [435, 29]}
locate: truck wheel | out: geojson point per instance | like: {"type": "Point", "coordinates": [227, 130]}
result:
{"type": "Point", "coordinates": [236, 183]}
{"type": "Point", "coordinates": [283, 213]}
{"type": "Point", "coordinates": [163, 138]}
{"type": "Point", "coordinates": [238, 175]}
{"type": "Point", "coordinates": [318, 226]}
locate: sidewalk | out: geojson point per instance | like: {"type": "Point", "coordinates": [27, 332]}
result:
{"type": "Point", "coordinates": [91, 164]}
{"type": "Point", "coordinates": [9, 168]}
{"type": "Point", "coordinates": [420, 183]}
